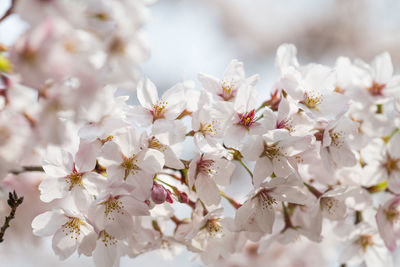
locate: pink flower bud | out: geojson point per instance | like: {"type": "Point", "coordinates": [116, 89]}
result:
{"type": "Point", "coordinates": [184, 198]}
{"type": "Point", "coordinates": [158, 193]}
{"type": "Point", "coordinates": [169, 197]}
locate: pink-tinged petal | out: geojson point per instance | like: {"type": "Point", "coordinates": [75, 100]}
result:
{"type": "Point", "coordinates": [253, 147]}
{"type": "Point", "coordinates": [333, 106]}
{"type": "Point", "coordinates": [151, 161]}
{"type": "Point", "coordinates": [192, 171]}
{"type": "Point", "coordinates": [81, 197]}
{"type": "Point", "coordinates": [93, 182]}
{"type": "Point", "coordinates": [116, 173]}
{"type": "Point", "coordinates": [111, 154]}
{"type": "Point", "coordinates": [209, 83]}
{"type": "Point", "coordinates": [96, 213]}
{"type": "Point", "coordinates": [143, 182]}
{"type": "Point", "coordinates": [234, 135]}
{"type": "Point", "coordinates": [135, 207]}
{"type": "Point", "coordinates": [141, 116]}
{"type": "Point", "coordinates": [58, 162]}
{"type": "Point", "coordinates": [147, 93]}
{"type": "Point", "coordinates": [171, 160]}
{"type": "Point", "coordinates": [105, 256]}
{"type": "Point", "coordinates": [394, 182]}
{"type": "Point", "coordinates": [129, 142]}
{"type": "Point", "coordinates": [289, 194]}
{"type": "Point", "coordinates": [385, 229]}
{"type": "Point", "coordinates": [282, 167]}
{"type": "Point", "coordinates": [292, 146]}
{"type": "Point", "coordinates": [382, 68]}
{"type": "Point", "coordinates": [269, 119]}
{"type": "Point", "coordinates": [64, 243]}
{"type": "Point", "coordinates": [88, 244]}
{"type": "Point", "coordinates": [394, 147]}
{"type": "Point", "coordinates": [207, 190]}
{"type": "Point", "coordinates": [90, 132]}
{"type": "Point", "coordinates": [224, 172]}
{"type": "Point", "coordinates": [262, 169]}
{"type": "Point", "coordinates": [342, 157]}
{"type": "Point", "coordinates": [245, 217]}
{"type": "Point", "coordinates": [53, 188]}
{"type": "Point", "coordinates": [265, 216]}
{"type": "Point", "coordinates": [118, 224]}
{"type": "Point", "coordinates": [175, 97]}
{"type": "Point", "coordinates": [85, 158]}
{"type": "Point", "coordinates": [47, 223]}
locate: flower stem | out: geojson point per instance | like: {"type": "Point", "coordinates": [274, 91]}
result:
{"type": "Point", "coordinates": [231, 200]}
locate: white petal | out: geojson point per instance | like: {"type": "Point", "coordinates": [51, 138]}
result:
{"type": "Point", "coordinates": [141, 116]}
{"type": "Point", "coordinates": [209, 83]}
{"type": "Point", "coordinates": [104, 256]}
{"type": "Point", "coordinates": [394, 147]}
{"type": "Point", "coordinates": [383, 68]}
{"type": "Point", "coordinates": [151, 161]}
{"type": "Point", "coordinates": [265, 216]}
{"type": "Point", "coordinates": [207, 190]}
{"type": "Point", "coordinates": [64, 244]}
{"type": "Point", "coordinates": [147, 93]}
{"type": "Point", "coordinates": [119, 224]}
{"type": "Point", "coordinates": [262, 169]}
{"type": "Point", "coordinates": [53, 188]}
{"type": "Point", "coordinates": [47, 223]}
{"type": "Point", "coordinates": [386, 229]}
{"type": "Point", "coordinates": [85, 158]}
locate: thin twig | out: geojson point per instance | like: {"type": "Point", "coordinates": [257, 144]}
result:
{"type": "Point", "coordinates": [9, 10]}
{"type": "Point", "coordinates": [13, 202]}
{"type": "Point", "coordinates": [28, 169]}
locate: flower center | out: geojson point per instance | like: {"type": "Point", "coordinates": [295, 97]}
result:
{"type": "Point", "coordinates": [271, 151]}
{"type": "Point", "coordinates": [376, 89]}
{"type": "Point", "coordinates": [107, 239]}
{"type": "Point", "coordinates": [265, 199]}
{"type": "Point", "coordinates": [247, 119]}
{"type": "Point", "coordinates": [156, 144]}
{"type": "Point", "coordinates": [74, 179]}
{"type": "Point", "coordinates": [213, 226]}
{"type": "Point", "coordinates": [311, 100]}
{"type": "Point", "coordinates": [205, 166]}
{"type": "Point", "coordinates": [159, 109]}
{"type": "Point", "coordinates": [336, 138]}
{"type": "Point", "coordinates": [113, 205]}
{"type": "Point", "coordinates": [72, 228]}
{"type": "Point", "coordinates": [208, 129]}
{"type": "Point", "coordinates": [228, 90]}
{"type": "Point", "coordinates": [364, 241]}
{"type": "Point", "coordinates": [391, 164]}
{"type": "Point", "coordinates": [329, 204]}
{"type": "Point", "coordinates": [130, 166]}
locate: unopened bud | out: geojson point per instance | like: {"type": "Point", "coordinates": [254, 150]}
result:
{"type": "Point", "coordinates": [158, 193]}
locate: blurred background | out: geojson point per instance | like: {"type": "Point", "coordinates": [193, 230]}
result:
{"type": "Point", "coordinates": [189, 36]}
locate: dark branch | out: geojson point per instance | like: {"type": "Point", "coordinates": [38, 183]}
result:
{"type": "Point", "coordinates": [13, 202]}
{"type": "Point", "coordinates": [9, 10]}
{"type": "Point", "coordinates": [28, 169]}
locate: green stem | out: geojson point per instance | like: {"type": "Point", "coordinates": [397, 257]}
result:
{"type": "Point", "coordinates": [247, 169]}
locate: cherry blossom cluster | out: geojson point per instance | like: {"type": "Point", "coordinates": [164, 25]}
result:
{"type": "Point", "coordinates": [321, 154]}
